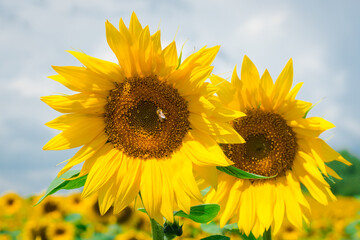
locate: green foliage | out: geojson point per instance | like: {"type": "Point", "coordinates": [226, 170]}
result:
{"type": "Point", "coordinates": [61, 183]}
{"type": "Point", "coordinates": [233, 171]}
{"type": "Point", "coordinates": [216, 237]}
{"type": "Point", "coordinates": [201, 213]}
{"type": "Point", "coordinates": [172, 230]}
{"type": "Point", "coordinates": [349, 185]}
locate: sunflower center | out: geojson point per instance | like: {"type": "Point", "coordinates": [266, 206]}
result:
{"type": "Point", "coordinates": [270, 146]}
{"type": "Point", "coordinates": [60, 231]}
{"type": "Point", "coordinates": [146, 118]}
{"type": "Point", "coordinates": [50, 207]}
{"type": "Point", "coordinates": [257, 146]}
{"type": "Point", "coordinates": [10, 201]}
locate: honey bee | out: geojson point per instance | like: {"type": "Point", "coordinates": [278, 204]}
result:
{"type": "Point", "coordinates": [161, 115]}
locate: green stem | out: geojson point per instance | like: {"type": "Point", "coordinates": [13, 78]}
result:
{"type": "Point", "coordinates": [267, 234]}
{"type": "Point", "coordinates": [157, 230]}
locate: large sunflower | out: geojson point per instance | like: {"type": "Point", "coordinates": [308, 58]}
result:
{"type": "Point", "coordinates": [145, 124]}
{"type": "Point", "coordinates": [280, 142]}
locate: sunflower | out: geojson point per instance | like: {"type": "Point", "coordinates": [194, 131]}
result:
{"type": "Point", "coordinates": [145, 124]}
{"type": "Point", "coordinates": [60, 231]}
{"type": "Point", "coordinates": [10, 204]}
{"type": "Point", "coordinates": [35, 230]}
{"type": "Point", "coordinates": [281, 142]}
{"type": "Point", "coordinates": [133, 235]}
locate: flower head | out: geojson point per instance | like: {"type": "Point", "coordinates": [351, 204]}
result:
{"type": "Point", "coordinates": [281, 142]}
{"type": "Point", "coordinates": [145, 124]}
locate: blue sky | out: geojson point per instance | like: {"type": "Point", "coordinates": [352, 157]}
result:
{"type": "Point", "coordinates": [322, 37]}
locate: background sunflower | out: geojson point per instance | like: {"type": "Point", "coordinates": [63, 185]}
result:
{"type": "Point", "coordinates": [282, 143]}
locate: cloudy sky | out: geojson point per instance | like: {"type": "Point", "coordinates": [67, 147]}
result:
{"type": "Point", "coordinates": [322, 37]}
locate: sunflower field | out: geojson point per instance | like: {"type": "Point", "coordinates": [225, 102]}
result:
{"type": "Point", "coordinates": [70, 217]}
{"type": "Point", "coordinates": [67, 217]}
{"type": "Point", "coordinates": [167, 149]}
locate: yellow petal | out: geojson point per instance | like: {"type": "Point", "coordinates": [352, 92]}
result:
{"type": "Point", "coordinates": [307, 162]}
{"type": "Point", "coordinates": [279, 208]}
{"type": "Point", "coordinates": [81, 132]}
{"type": "Point", "coordinates": [294, 110]}
{"type": "Point", "coordinates": [65, 121]}
{"type": "Point", "coordinates": [221, 132]}
{"type": "Point", "coordinates": [103, 168]}
{"type": "Point", "coordinates": [247, 208]}
{"type": "Point", "coordinates": [187, 181]}
{"type": "Point", "coordinates": [266, 83]}
{"type": "Point", "coordinates": [232, 205]}
{"type": "Point", "coordinates": [121, 49]}
{"type": "Point", "coordinates": [292, 94]}
{"type": "Point", "coordinates": [283, 84]}
{"type": "Point", "coordinates": [108, 71]}
{"type": "Point", "coordinates": [151, 188]}
{"type": "Point", "coordinates": [235, 80]}
{"type": "Point", "coordinates": [293, 210]}
{"type": "Point", "coordinates": [107, 195]}
{"type": "Point", "coordinates": [85, 152]}
{"type": "Point", "coordinates": [204, 57]}
{"type": "Point", "coordinates": [265, 198]}
{"type": "Point", "coordinates": [325, 152]}
{"type": "Point", "coordinates": [332, 173]}
{"type": "Point", "coordinates": [77, 103]}
{"type": "Point", "coordinates": [249, 74]}
{"type": "Point", "coordinates": [311, 127]}
{"type": "Point", "coordinates": [225, 90]}
{"type": "Point", "coordinates": [129, 183]}
{"type": "Point", "coordinates": [294, 184]}
{"type": "Point", "coordinates": [170, 54]}
{"type": "Point", "coordinates": [135, 26]}
{"type": "Point", "coordinates": [315, 190]}
{"type": "Point", "coordinates": [204, 151]}
{"type": "Point", "coordinates": [167, 205]}
{"type": "Point", "coordinates": [208, 173]}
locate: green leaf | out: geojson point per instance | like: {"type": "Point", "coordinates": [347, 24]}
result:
{"type": "Point", "coordinates": [211, 228]}
{"type": "Point", "coordinates": [201, 213]}
{"type": "Point", "coordinates": [142, 210]}
{"type": "Point", "coordinates": [232, 226]}
{"type": "Point", "coordinates": [216, 237]}
{"type": "Point", "coordinates": [60, 183]}
{"type": "Point", "coordinates": [235, 172]}
{"type": "Point", "coordinates": [250, 237]}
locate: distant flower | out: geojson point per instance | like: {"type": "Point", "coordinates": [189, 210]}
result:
{"type": "Point", "coordinates": [145, 124]}
{"type": "Point", "coordinates": [10, 204]}
{"type": "Point", "coordinates": [60, 231]}
{"type": "Point", "coordinates": [281, 142]}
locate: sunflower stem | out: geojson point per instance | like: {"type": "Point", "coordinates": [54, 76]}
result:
{"type": "Point", "coordinates": [267, 234]}
{"type": "Point", "coordinates": [157, 230]}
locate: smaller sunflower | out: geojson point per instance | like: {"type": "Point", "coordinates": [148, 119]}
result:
{"type": "Point", "coordinates": [61, 231]}
{"type": "Point", "coordinates": [133, 235]}
{"type": "Point", "coordinates": [10, 204]}
{"type": "Point", "coordinates": [280, 141]}
{"type": "Point", "coordinates": [35, 230]}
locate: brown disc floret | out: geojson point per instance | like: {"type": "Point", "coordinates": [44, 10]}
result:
{"type": "Point", "coordinates": [270, 146]}
{"type": "Point", "coordinates": [146, 118]}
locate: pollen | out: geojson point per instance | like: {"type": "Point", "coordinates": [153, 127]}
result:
{"type": "Point", "coordinates": [270, 146]}
{"type": "Point", "coordinates": [146, 118]}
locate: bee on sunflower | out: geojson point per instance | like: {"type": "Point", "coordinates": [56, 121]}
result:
{"type": "Point", "coordinates": [146, 124]}
{"type": "Point", "coordinates": [281, 143]}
